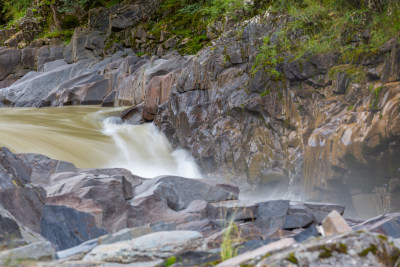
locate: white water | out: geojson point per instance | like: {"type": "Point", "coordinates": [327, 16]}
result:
{"type": "Point", "coordinates": [92, 137]}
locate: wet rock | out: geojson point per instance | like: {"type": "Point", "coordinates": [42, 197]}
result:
{"type": "Point", "coordinates": [150, 247]}
{"type": "Point", "coordinates": [335, 224]}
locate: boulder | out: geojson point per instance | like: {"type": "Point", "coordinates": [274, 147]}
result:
{"type": "Point", "coordinates": [233, 210]}
{"type": "Point", "coordinates": [102, 196]}
{"type": "Point", "coordinates": [150, 247]}
{"type": "Point", "coordinates": [350, 249]}
{"type": "Point", "coordinates": [178, 192]}
{"type": "Point", "coordinates": [57, 224]}
{"type": "Point", "coordinates": [335, 224]}
{"type": "Point", "coordinates": [36, 251]}
{"type": "Point", "coordinates": [272, 215]}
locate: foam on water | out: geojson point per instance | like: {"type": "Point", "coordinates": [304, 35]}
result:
{"type": "Point", "coordinates": [93, 137]}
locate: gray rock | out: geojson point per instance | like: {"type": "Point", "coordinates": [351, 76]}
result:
{"type": "Point", "coordinates": [9, 61]}
{"type": "Point", "coordinates": [57, 224]}
{"type": "Point", "coordinates": [299, 220]}
{"type": "Point", "coordinates": [125, 234]}
{"type": "Point", "coordinates": [179, 192]}
{"type": "Point", "coordinates": [80, 249]}
{"type": "Point", "coordinates": [32, 90]}
{"type": "Point", "coordinates": [150, 247]}
{"type": "Point", "coordinates": [76, 49]}
{"type": "Point", "coordinates": [236, 210]}
{"type": "Point", "coordinates": [351, 249]}
{"type": "Point", "coordinates": [35, 251]}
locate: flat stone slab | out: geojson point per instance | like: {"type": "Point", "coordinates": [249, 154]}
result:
{"type": "Point", "coordinates": [159, 245]}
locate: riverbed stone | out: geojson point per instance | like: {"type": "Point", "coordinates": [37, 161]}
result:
{"type": "Point", "coordinates": [335, 224]}
{"type": "Point", "coordinates": [179, 192]}
{"type": "Point", "coordinates": [58, 221]}
{"type": "Point", "coordinates": [150, 247]}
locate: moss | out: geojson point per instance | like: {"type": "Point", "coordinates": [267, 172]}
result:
{"type": "Point", "coordinates": [372, 248]}
{"type": "Point", "coordinates": [343, 248]}
{"type": "Point", "coordinates": [326, 253]}
{"type": "Point", "coordinates": [265, 93]}
{"type": "Point", "coordinates": [292, 258]}
{"type": "Point", "coordinates": [170, 261]}
{"type": "Point", "coordinates": [382, 237]}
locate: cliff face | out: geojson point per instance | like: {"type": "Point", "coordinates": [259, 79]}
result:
{"type": "Point", "coordinates": [326, 129]}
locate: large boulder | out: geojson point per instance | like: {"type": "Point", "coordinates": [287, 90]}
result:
{"type": "Point", "coordinates": [57, 224]}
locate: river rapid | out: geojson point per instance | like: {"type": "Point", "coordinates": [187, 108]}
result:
{"type": "Point", "coordinates": [93, 137]}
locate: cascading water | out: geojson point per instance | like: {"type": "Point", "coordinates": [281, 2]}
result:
{"type": "Point", "coordinates": [92, 137]}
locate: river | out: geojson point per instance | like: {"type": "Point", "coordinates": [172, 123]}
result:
{"type": "Point", "coordinates": [93, 137]}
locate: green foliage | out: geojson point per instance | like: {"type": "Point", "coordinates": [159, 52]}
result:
{"type": "Point", "coordinates": [230, 236]}
{"type": "Point", "coordinates": [170, 261]}
{"type": "Point", "coordinates": [328, 25]}
{"type": "Point", "coordinates": [69, 22]}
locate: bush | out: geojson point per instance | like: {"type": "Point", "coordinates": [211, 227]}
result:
{"type": "Point", "coordinates": [70, 22]}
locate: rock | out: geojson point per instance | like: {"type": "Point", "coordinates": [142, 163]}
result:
{"type": "Point", "coordinates": [310, 232]}
{"type": "Point", "coordinates": [57, 222]}
{"type": "Point", "coordinates": [48, 54]}
{"type": "Point", "coordinates": [125, 234]}
{"type": "Point", "coordinates": [264, 250]}
{"type": "Point", "coordinates": [342, 82]}
{"type": "Point", "coordinates": [129, 15]}
{"type": "Point", "coordinates": [335, 224]}
{"type": "Point", "coordinates": [388, 224]}
{"type": "Point", "coordinates": [351, 249]}
{"type": "Point", "coordinates": [86, 94]}
{"type": "Point", "coordinates": [10, 59]}
{"type": "Point", "coordinates": [271, 215]}
{"type": "Point", "coordinates": [76, 49]}
{"type": "Point", "coordinates": [103, 196]}
{"type": "Point", "coordinates": [30, 91]}
{"type": "Point", "coordinates": [81, 249]}
{"type": "Point", "coordinates": [35, 251]}
{"type": "Point", "coordinates": [299, 220]}
{"type": "Point", "coordinates": [179, 192]}
{"type": "Point", "coordinates": [236, 233]}
{"type": "Point", "coordinates": [99, 17]}
{"type": "Point", "coordinates": [150, 247]}
{"type": "Point", "coordinates": [109, 100]}
{"type": "Point", "coordinates": [133, 115]}
{"type": "Point", "coordinates": [317, 210]}
{"type": "Point", "coordinates": [233, 210]}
